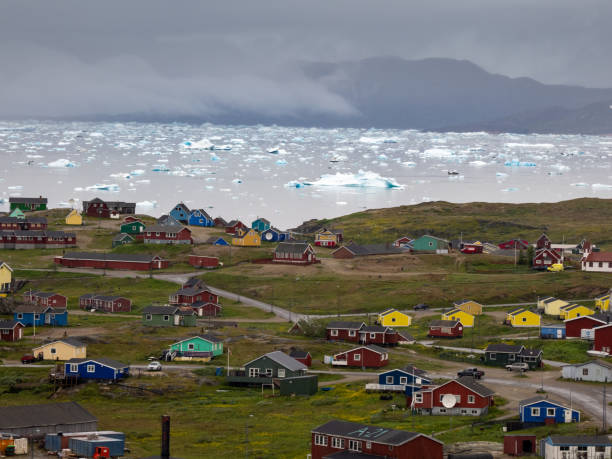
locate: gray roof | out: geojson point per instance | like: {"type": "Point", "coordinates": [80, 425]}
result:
{"type": "Point", "coordinates": [373, 249]}
{"type": "Point", "coordinates": [298, 354]}
{"type": "Point", "coordinates": [40, 200]}
{"type": "Point", "coordinates": [504, 348]}
{"type": "Point", "coordinates": [530, 352]}
{"type": "Point", "coordinates": [168, 220]}
{"type": "Point", "coordinates": [122, 236]}
{"type": "Point", "coordinates": [164, 228]}
{"type": "Point", "coordinates": [101, 360]}
{"type": "Point", "coordinates": [142, 258]}
{"type": "Point", "coordinates": [345, 325]}
{"type": "Point", "coordinates": [471, 384]}
{"type": "Point", "coordinates": [192, 291]}
{"type": "Point", "coordinates": [365, 432]}
{"type": "Point", "coordinates": [605, 317]}
{"type": "Point", "coordinates": [575, 440]}
{"type": "Point", "coordinates": [213, 239]}
{"type": "Point", "coordinates": [45, 294]}
{"type": "Point", "coordinates": [283, 359]}
{"type": "Point", "coordinates": [444, 323]}
{"type": "Point", "coordinates": [373, 329]}
{"type": "Point", "coordinates": [160, 310]}
{"type": "Point", "coordinates": [532, 400]}
{"type": "Point", "coordinates": [70, 341]}
{"type": "Point", "coordinates": [47, 414]}
{"type": "Point", "coordinates": [292, 247]}
{"type": "Point", "coordinates": [4, 219]}
{"type": "Point", "coordinates": [8, 324]}
{"type": "Point", "coordinates": [376, 348]}
{"type": "Point", "coordinates": [38, 309]}
{"type": "Point", "coordinates": [592, 362]}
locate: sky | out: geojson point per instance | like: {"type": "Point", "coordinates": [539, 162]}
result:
{"type": "Point", "coordinates": [190, 58]}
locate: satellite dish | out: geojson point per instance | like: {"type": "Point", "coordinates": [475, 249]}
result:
{"type": "Point", "coordinates": [449, 400]}
{"type": "Point", "coordinates": [269, 236]}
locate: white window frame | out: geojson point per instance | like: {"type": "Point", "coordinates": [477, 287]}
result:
{"type": "Point", "coordinates": [550, 412]}
{"type": "Point", "coordinates": [320, 440]}
{"type": "Point", "coordinates": [337, 442]}
{"type": "Point", "coordinates": [74, 368]}
{"type": "Point", "coordinates": [389, 380]}
{"type": "Point", "coordinates": [91, 368]}
{"type": "Point", "coordinates": [357, 357]}
{"type": "Point", "coordinates": [354, 445]}
{"type": "Point", "coordinates": [492, 356]}
{"type": "Point", "coordinates": [190, 346]}
{"type": "Point", "coordinates": [535, 411]}
{"type": "Point", "coordinates": [333, 332]}
{"type": "Point", "coordinates": [372, 335]}
{"type": "Point", "coordinates": [418, 397]}
{"type": "Point", "coordinates": [253, 372]}
{"type": "Point", "coordinates": [403, 380]}
{"type": "Point", "coordinates": [166, 318]}
{"type": "Point", "coordinates": [148, 317]}
{"type": "Point", "coordinates": [352, 333]}
{"type": "Point", "coordinates": [269, 372]}
{"type": "Point", "coordinates": [471, 399]}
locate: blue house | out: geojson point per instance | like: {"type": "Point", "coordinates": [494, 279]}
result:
{"type": "Point", "coordinates": [552, 331]}
{"type": "Point", "coordinates": [261, 224]}
{"type": "Point", "coordinates": [408, 380]}
{"type": "Point", "coordinates": [273, 235]}
{"type": "Point", "coordinates": [199, 217]}
{"type": "Point", "coordinates": [541, 410]}
{"type": "Point", "coordinates": [33, 314]}
{"type": "Point", "coordinates": [180, 212]}
{"type": "Point", "coordinates": [98, 368]}
{"type": "Point", "coordinates": [216, 240]}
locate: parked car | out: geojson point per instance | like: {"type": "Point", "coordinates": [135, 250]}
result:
{"type": "Point", "coordinates": [517, 366]}
{"type": "Point", "coordinates": [473, 372]}
{"type": "Point", "coordinates": [154, 366]}
{"type": "Point", "coordinates": [421, 307]}
{"type": "Point", "coordinates": [556, 267]}
{"type": "Point", "coordinates": [28, 359]}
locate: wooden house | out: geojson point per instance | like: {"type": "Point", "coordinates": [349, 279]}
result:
{"type": "Point", "coordinates": [100, 369]}
{"type": "Point", "coordinates": [45, 299]}
{"type": "Point", "coordinates": [132, 227]}
{"type": "Point", "coordinates": [202, 261]}
{"type": "Point", "coordinates": [466, 319]}
{"type": "Point", "coordinates": [523, 317]}
{"type": "Point", "coordinates": [343, 439]}
{"type": "Point", "coordinates": [574, 327]}
{"type": "Point", "coordinates": [407, 380]}
{"type": "Point", "coordinates": [74, 218]}
{"type": "Point", "coordinates": [543, 242]}
{"type": "Point", "coordinates": [108, 209]}
{"type": "Point", "coordinates": [105, 303]}
{"type": "Point", "coordinates": [30, 239]}
{"type": "Point", "coordinates": [301, 356]}
{"type": "Point", "coordinates": [430, 244]}
{"type": "Point", "coordinates": [392, 317]}
{"type": "Point", "coordinates": [403, 241]}
{"type": "Point", "coordinates": [380, 335]}
{"type": "Point", "coordinates": [520, 444]}
{"type": "Point", "coordinates": [161, 234]}
{"type": "Point", "coordinates": [602, 338]}
{"type": "Point", "coordinates": [233, 226]}
{"type": "Point", "coordinates": [471, 247]}
{"type": "Point", "coordinates": [22, 223]}
{"type": "Point", "coordinates": [168, 220]}
{"type": "Point", "coordinates": [17, 214]}
{"type": "Point", "coordinates": [552, 306]}
{"type": "Point", "coordinates": [370, 356]}
{"type": "Point", "coordinates": [261, 224]}
{"type": "Point", "coordinates": [247, 238]}
{"type": "Point", "coordinates": [216, 240]}
{"type": "Point", "coordinates": [543, 258]}
{"type": "Point", "coordinates": [500, 354]}
{"type": "Point", "coordinates": [6, 278]}
{"type": "Point", "coordinates": [352, 250]}
{"type": "Point", "coordinates": [602, 302]}
{"type": "Point", "coordinates": [122, 239]}
{"type": "Point", "coordinates": [45, 418]}
{"type": "Point", "coordinates": [193, 294]}
{"type": "Point", "coordinates": [180, 213]}
{"type": "Point", "coordinates": [206, 309]}
{"type": "Point", "coordinates": [574, 310]}
{"type": "Point", "coordinates": [11, 330]}
{"type": "Point", "coordinates": [576, 446]}
{"type": "Point", "coordinates": [130, 219]}
{"type": "Point", "coordinates": [219, 222]}
{"type": "Point", "coordinates": [469, 306]}
{"type": "Point", "coordinates": [542, 410]}
{"type": "Point", "coordinates": [27, 204]}
{"type": "Point", "coordinates": [135, 262]}
{"type": "Point", "coordinates": [168, 316]}
{"type": "Point", "coordinates": [275, 235]}
{"type": "Point", "coordinates": [512, 244]}
{"type": "Point", "coordinates": [343, 331]}
{"type": "Point", "coordinates": [552, 331]}
{"type": "Point", "coordinates": [199, 217]}
{"type": "Point", "coordinates": [33, 314]}
{"type": "Point", "coordinates": [328, 237]}
{"type": "Point", "coordinates": [63, 349]}
{"type": "Point", "coordinates": [597, 262]}
{"type": "Point", "coordinates": [445, 329]}
{"type": "Point", "coordinates": [595, 371]}
{"type": "Point", "coordinates": [200, 346]}
{"type": "Point", "coordinates": [294, 253]}
{"type": "Point", "coordinates": [471, 398]}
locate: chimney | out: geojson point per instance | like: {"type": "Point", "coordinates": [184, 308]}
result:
{"type": "Point", "coordinates": [165, 437]}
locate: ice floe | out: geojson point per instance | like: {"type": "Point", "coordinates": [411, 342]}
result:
{"type": "Point", "coordinates": [61, 163]}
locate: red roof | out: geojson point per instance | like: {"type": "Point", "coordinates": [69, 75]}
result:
{"type": "Point", "coordinates": [599, 256]}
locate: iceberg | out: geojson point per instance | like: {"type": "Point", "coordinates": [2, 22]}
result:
{"type": "Point", "coordinates": [477, 163]}
{"type": "Point", "coordinates": [145, 207]}
{"type": "Point", "coordinates": [601, 186]}
{"type": "Point", "coordinates": [61, 163]}
{"type": "Point", "coordinates": [103, 187]}
{"type": "Point", "coordinates": [363, 179]}
{"type": "Point", "coordinates": [281, 162]}
{"type": "Point", "coordinates": [516, 163]}
{"type": "Point", "coordinates": [439, 153]}
{"type": "Point", "coordinates": [160, 168]}
{"type": "Point", "coordinates": [203, 144]}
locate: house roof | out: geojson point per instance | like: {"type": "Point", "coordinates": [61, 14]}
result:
{"type": "Point", "coordinates": [371, 249]}
{"type": "Point", "coordinates": [601, 363]}
{"type": "Point", "coordinates": [164, 228]}
{"type": "Point", "coordinates": [374, 329]}
{"type": "Point", "coordinates": [598, 256]}
{"type": "Point", "coordinates": [182, 206]}
{"type": "Point", "coordinates": [526, 352]}
{"type": "Point", "coordinates": [572, 440]}
{"type": "Point", "coordinates": [205, 337]}
{"type": "Point", "coordinates": [37, 309]}
{"type": "Point", "coordinates": [9, 324]}
{"type": "Point", "coordinates": [504, 348]}
{"type": "Point", "coordinates": [460, 302]}
{"type": "Point", "coordinates": [292, 247]}
{"type": "Point", "coordinates": [470, 383]}
{"type": "Point", "coordinates": [406, 336]}
{"type": "Point", "coordinates": [375, 348]}
{"type": "Point", "coordinates": [362, 432]}
{"type": "Point", "coordinates": [203, 213]}
{"type": "Point", "coordinates": [298, 354]}
{"type": "Point", "coordinates": [433, 237]}
{"type": "Point", "coordinates": [160, 310]}
{"type": "Point", "coordinates": [213, 239]}
{"type": "Point", "coordinates": [168, 220]}
{"type": "Point", "coordinates": [40, 200]}
{"type": "Point", "coordinates": [571, 307]}
{"type": "Point", "coordinates": [46, 414]}
{"type": "Point", "coordinates": [283, 359]}
{"type": "Point", "coordinates": [345, 325]}
{"type": "Point", "coordinates": [456, 311]}
{"type": "Point", "coordinates": [45, 294]}
{"type": "Point", "coordinates": [70, 341]}
{"type": "Point", "coordinates": [261, 219]}
{"type": "Point", "coordinates": [444, 323]}
{"type": "Point", "coordinates": [122, 236]}
{"type": "Point", "coordinates": [133, 257]}
{"type": "Point", "coordinates": [536, 399]}
{"type": "Point", "coordinates": [221, 220]}
{"type": "Point", "coordinates": [102, 361]}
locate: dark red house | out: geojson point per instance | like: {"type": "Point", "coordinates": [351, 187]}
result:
{"type": "Point", "coordinates": [519, 445]}
{"type": "Point", "coordinates": [45, 299]}
{"type": "Point", "coordinates": [603, 338]}
{"type": "Point", "coordinates": [546, 257]}
{"type": "Point", "coordinates": [574, 327]}
{"type": "Point", "coordinates": [206, 309]}
{"type": "Point", "coordinates": [344, 331]}
{"type": "Point", "coordinates": [105, 303]}
{"type": "Point", "coordinates": [191, 295]}
{"type": "Point", "coordinates": [166, 234]}
{"type": "Point", "coordinates": [104, 209]}
{"type": "Point", "coordinates": [543, 242]}
{"type": "Point", "coordinates": [34, 239]}
{"type": "Point", "coordinates": [23, 224]}
{"type": "Point", "coordinates": [301, 356]}
{"type": "Point", "coordinates": [11, 330]}
{"type": "Point", "coordinates": [101, 260]}
{"type": "Point", "coordinates": [380, 335]}
{"type": "Point", "coordinates": [370, 356]}
{"type": "Point", "coordinates": [343, 439]}
{"type": "Point", "coordinates": [234, 225]}
{"type": "Point", "coordinates": [471, 398]}
{"type": "Point", "coordinates": [518, 244]}
{"type": "Point", "coordinates": [294, 253]}
{"type": "Point", "coordinates": [445, 329]}
{"type": "Point", "coordinates": [219, 222]}
{"type": "Point", "coordinates": [471, 247]}
{"type": "Point", "coordinates": [201, 261]}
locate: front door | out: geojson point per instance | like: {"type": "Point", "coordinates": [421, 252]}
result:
{"type": "Point", "coordinates": [559, 334]}
{"type": "Point", "coordinates": [177, 319]}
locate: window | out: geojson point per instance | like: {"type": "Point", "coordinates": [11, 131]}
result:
{"type": "Point", "coordinates": [389, 379]}
{"type": "Point", "coordinates": [354, 445]}
{"type": "Point", "coordinates": [320, 440]}
{"type": "Point", "coordinates": [458, 398]}
{"type": "Point", "coordinates": [74, 368]}
{"type": "Point", "coordinates": [369, 445]}
{"type": "Point", "coordinates": [149, 317]}
{"type": "Point", "coordinates": [474, 411]}
{"type": "Point", "coordinates": [269, 372]}
{"type": "Point", "coordinates": [357, 357]}
{"type": "Point", "coordinates": [334, 332]}
{"type": "Point", "coordinates": [582, 448]}
{"type": "Point", "coordinates": [471, 399]}
{"type": "Point", "coordinates": [600, 264]}
{"type": "Point", "coordinates": [281, 372]}
{"type": "Point", "coordinates": [511, 357]}
{"type": "Point", "coordinates": [337, 442]}
{"type": "Point", "coordinates": [564, 448]}
{"type": "Point", "coordinates": [53, 351]}
{"type": "Point", "coordinates": [418, 398]}
{"type": "Point", "coordinates": [524, 319]}
{"type": "Point", "coordinates": [20, 316]}
{"type": "Point", "coordinates": [535, 411]}
{"type": "Point", "coordinates": [372, 335]}
{"type": "Point", "coordinates": [91, 368]}
{"type": "Point", "coordinates": [550, 412]}
{"type": "Point", "coordinates": [392, 319]}
{"type": "Point", "coordinates": [36, 316]}
{"type": "Point", "coordinates": [166, 318]}
{"type": "Point", "coordinates": [463, 411]}
{"type": "Point", "coordinates": [351, 332]}
{"type": "Point", "coordinates": [585, 372]}
{"type": "Point", "coordinates": [492, 356]}
{"type": "Point", "coordinates": [190, 347]}
{"type": "Point", "coordinates": [404, 380]}
{"type": "Point", "coordinates": [253, 372]}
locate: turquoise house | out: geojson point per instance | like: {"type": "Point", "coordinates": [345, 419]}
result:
{"type": "Point", "coordinates": [197, 348]}
{"type": "Point", "coordinates": [432, 244]}
{"type": "Point", "coordinates": [261, 224]}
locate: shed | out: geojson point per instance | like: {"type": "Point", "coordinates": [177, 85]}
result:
{"type": "Point", "coordinates": [122, 239]}
{"type": "Point", "coordinates": [74, 218]}
{"type": "Point", "coordinates": [299, 385]}
{"type": "Point", "coordinates": [519, 445]}
{"type": "Point", "coordinates": [38, 420]}
{"type": "Point", "coordinates": [431, 244]}
{"type": "Point", "coordinates": [201, 261]}
{"type": "Point", "coordinates": [595, 370]}
{"type": "Point", "coordinates": [552, 331]}
{"type": "Point", "coordinates": [11, 330]}
{"type": "Point", "coordinates": [216, 240]}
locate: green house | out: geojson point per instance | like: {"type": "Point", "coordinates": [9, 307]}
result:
{"type": "Point", "coordinates": [500, 355]}
{"type": "Point", "coordinates": [199, 344]}
{"type": "Point", "coordinates": [135, 227]}
{"type": "Point", "coordinates": [28, 204]}
{"type": "Point", "coordinates": [431, 244]}
{"type": "Point", "coordinates": [168, 316]}
{"type": "Point", "coordinates": [122, 239]}
{"type": "Point", "coordinates": [17, 213]}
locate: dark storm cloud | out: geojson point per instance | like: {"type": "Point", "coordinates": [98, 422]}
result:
{"type": "Point", "coordinates": [198, 58]}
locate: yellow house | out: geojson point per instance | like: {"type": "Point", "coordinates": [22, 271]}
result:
{"type": "Point", "coordinates": [522, 317]}
{"type": "Point", "coordinates": [394, 318]}
{"type": "Point", "coordinates": [63, 349]}
{"type": "Point", "coordinates": [74, 218]}
{"type": "Point", "coordinates": [603, 302]}
{"type": "Point", "coordinates": [6, 278]}
{"type": "Point", "coordinates": [542, 302]}
{"type": "Point", "coordinates": [249, 238]}
{"type": "Point", "coordinates": [552, 306]}
{"type": "Point", "coordinates": [466, 319]}
{"type": "Point", "coordinates": [469, 306]}
{"type": "Point", "coordinates": [575, 310]}
{"type": "Point", "coordinates": [328, 238]}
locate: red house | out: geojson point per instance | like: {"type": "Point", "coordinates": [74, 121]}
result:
{"type": "Point", "coordinates": [471, 247]}
{"type": "Point", "coordinates": [603, 338]}
{"type": "Point", "coordinates": [402, 242]}
{"type": "Point", "coordinates": [234, 225]}
{"type": "Point", "coordinates": [201, 261]}
{"type": "Point", "coordinates": [206, 309]}
{"type": "Point", "coordinates": [545, 257]}
{"type": "Point", "coordinates": [104, 209]}
{"type": "Point", "coordinates": [301, 356]}
{"type": "Point", "coordinates": [343, 439]}
{"type": "Point", "coordinates": [100, 260]}
{"type": "Point", "coordinates": [191, 295]}
{"type": "Point", "coordinates": [45, 299]}
{"type": "Point", "coordinates": [344, 331]}
{"type": "Point", "coordinates": [574, 327]}
{"type": "Point", "coordinates": [471, 398]}
{"type": "Point", "coordinates": [378, 334]}
{"type": "Point", "coordinates": [543, 242]}
{"type": "Point", "coordinates": [105, 303]}
{"type": "Point", "coordinates": [445, 329]}
{"type": "Point", "coordinates": [518, 244]}
{"type": "Point", "coordinates": [11, 330]}
{"type": "Point", "coordinates": [23, 224]}
{"type": "Point", "coordinates": [34, 239]}
{"type": "Point", "coordinates": [131, 219]}
{"type": "Point", "coordinates": [363, 356]}
{"type": "Point", "coordinates": [166, 234]}
{"type": "Point", "coordinates": [519, 445]}
{"type": "Point", "coordinates": [294, 253]}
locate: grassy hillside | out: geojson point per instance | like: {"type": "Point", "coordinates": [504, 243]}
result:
{"type": "Point", "coordinates": [494, 222]}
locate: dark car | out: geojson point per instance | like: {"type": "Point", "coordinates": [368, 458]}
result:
{"type": "Point", "coordinates": [473, 372]}
{"type": "Point", "coordinates": [421, 307]}
{"type": "Point", "coordinates": [28, 359]}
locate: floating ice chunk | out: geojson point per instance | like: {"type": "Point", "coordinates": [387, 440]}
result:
{"type": "Point", "coordinates": [237, 180]}
{"type": "Point", "coordinates": [221, 147]}
{"type": "Point", "coordinates": [78, 188]}
{"type": "Point", "coordinates": [273, 151]}
{"type": "Point", "coordinates": [382, 156]}
{"type": "Point", "coordinates": [203, 144]}
{"type": "Point", "coordinates": [517, 163]}
{"type": "Point", "coordinates": [601, 186]}
{"type": "Point", "coordinates": [560, 167]}
{"type": "Point", "coordinates": [501, 174]}
{"type": "Point", "coordinates": [296, 184]}
{"type": "Point", "coordinates": [137, 172]}
{"type": "Point", "coordinates": [477, 163]}
{"type": "Point", "coordinates": [61, 163]}
{"type": "Point", "coordinates": [363, 179]}
{"type": "Point", "coordinates": [34, 156]}
{"type": "Point", "coordinates": [281, 162]}
{"type": "Point", "coordinates": [144, 207]}
{"type": "Point", "coordinates": [529, 145]}
{"type": "Point", "coordinates": [160, 168]}
{"type": "Point", "coordinates": [509, 190]}
{"type": "Point", "coordinates": [214, 157]}
{"type": "Point", "coordinates": [580, 184]}
{"type": "Point", "coordinates": [15, 187]}
{"type": "Point", "coordinates": [103, 187]}
{"type": "Point", "coordinates": [438, 153]}
{"type": "Point", "coordinates": [96, 134]}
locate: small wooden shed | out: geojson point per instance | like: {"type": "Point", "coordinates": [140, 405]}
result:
{"type": "Point", "coordinates": [519, 445]}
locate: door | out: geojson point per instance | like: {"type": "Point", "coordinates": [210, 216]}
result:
{"type": "Point", "coordinates": [177, 319]}
{"type": "Point", "coordinates": [568, 416]}
{"type": "Point", "coordinates": [559, 333]}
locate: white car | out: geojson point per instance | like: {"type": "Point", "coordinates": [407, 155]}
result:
{"type": "Point", "coordinates": [154, 366]}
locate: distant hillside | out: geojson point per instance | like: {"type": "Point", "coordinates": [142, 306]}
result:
{"type": "Point", "coordinates": [493, 222]}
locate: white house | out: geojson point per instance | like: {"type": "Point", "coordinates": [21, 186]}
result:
{"type": "Point", "coordinates": [597, 262]}
{"type": "Point", "coordinates": [595, 370]}
{"type": "Point", "coordinates": [576, 447]}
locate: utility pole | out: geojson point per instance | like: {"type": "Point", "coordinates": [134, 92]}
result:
{"type": "Point", "coordinates": [604, 425]}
